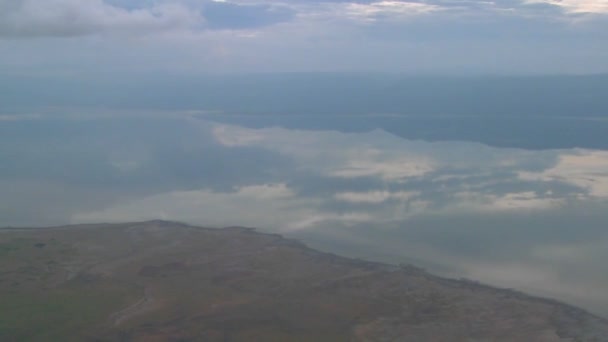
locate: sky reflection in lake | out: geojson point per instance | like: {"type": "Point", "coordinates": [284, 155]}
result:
{"type": "Point", "coordinates": [532, 220]}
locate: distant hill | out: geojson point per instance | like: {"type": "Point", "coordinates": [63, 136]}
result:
{"type": "Point", "coordinates": [166, 281]}
{"type": "Point", "coordinates": [322, 93]}
{"type": "Point", "coordinates": [531, 112]}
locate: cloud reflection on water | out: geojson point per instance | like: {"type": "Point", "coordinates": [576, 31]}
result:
{"type": "Point", "coordinates": [533, 220]}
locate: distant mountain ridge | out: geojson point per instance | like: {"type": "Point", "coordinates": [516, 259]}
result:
{"type": "Point", "coordinates": [324, 93]}
{"type": "Point", "coordinates": [530, 112]}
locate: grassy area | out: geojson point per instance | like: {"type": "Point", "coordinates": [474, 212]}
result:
{"type": "Point", "coordinates": [65, 314]}
{"type": "Point", "coordinates": [34, 306]}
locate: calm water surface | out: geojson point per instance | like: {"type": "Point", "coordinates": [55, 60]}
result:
{"type": "Point", "coordinates": [530, 219]}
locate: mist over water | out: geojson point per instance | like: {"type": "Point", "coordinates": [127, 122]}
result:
{"type": "Point", "coordinates": [530, 219]}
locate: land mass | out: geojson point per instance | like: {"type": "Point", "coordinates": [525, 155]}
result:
{"type": "Point", "coordinates": [168, 281]}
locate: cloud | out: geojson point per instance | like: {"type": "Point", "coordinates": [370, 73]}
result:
{"type": "Point", "coordinates": [526, 200]}
{"type": "Point", "coordinates": [576, 6]}
{"type": "Point", "coordinates": [336, 154]}
{"type": "Point", "coordinates": [471, 215]}
{"type": "Point", "coordinates": [65, 18]}
{"type": "Point", "coordinates": [270, 205]}
{"type": "Point", "coordinates": [236, 136]}
{"type": "Point", "coordinates": [391, 169]}
{"type": "Point", "coordinates": [387, 9]}
{"type": "Point", "coordinates": [374, 196]}
{"type": "Point", "coordinates": [586, 169]}
{"type": "Point", "coordinates": [69, 18]}
{"type": "Point", "coordinates": [266, 191]}
{"type": "Point", "coordinates": [273, 35]}
{"type": "Point", "coordinates": [347, 219]}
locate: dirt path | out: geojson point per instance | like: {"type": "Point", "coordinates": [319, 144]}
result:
{"type": "Point", "coordinates": [139, 307]}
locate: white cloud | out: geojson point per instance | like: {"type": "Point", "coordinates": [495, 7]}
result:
{"type": "Point", "coordinates": [576, 6]}
{"type": "Point", "coordinates": [374, 196]}
{"type": "Point", "coordinates": [20, 18]}
{"type": "Point", "coordinates": [266, 191]}
{"type": "Point", "coordinates": [526, 200]}
{"type": "Point", "coordinates": [261, 205]}
{"type": "Point", "coordinates": [316, 220]}
{"type": "Point", "coordinates": [587, 169]}
{"type": "Point", "coordinates": [316, 36]}
{"type": "Point", "coordinates": [342, 155]}
{"type": "Point", "coordinates": [236, 136]}
{"type": "Point", "coordinates": [265, 206]}
{"type": "Point", "coordinates": [398, 9]}
{"type": "Point", "coordinates": [391, 169]}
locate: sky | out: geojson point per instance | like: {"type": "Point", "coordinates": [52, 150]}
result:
{"type": "Point", "coordinates": [72, 38]}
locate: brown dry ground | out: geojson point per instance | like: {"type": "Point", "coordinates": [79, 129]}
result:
{"type": "Point", "coordinates": [165, 281]}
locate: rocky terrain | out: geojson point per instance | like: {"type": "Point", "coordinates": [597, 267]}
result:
{"type": "Point", "coordinates": [166, 281]}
